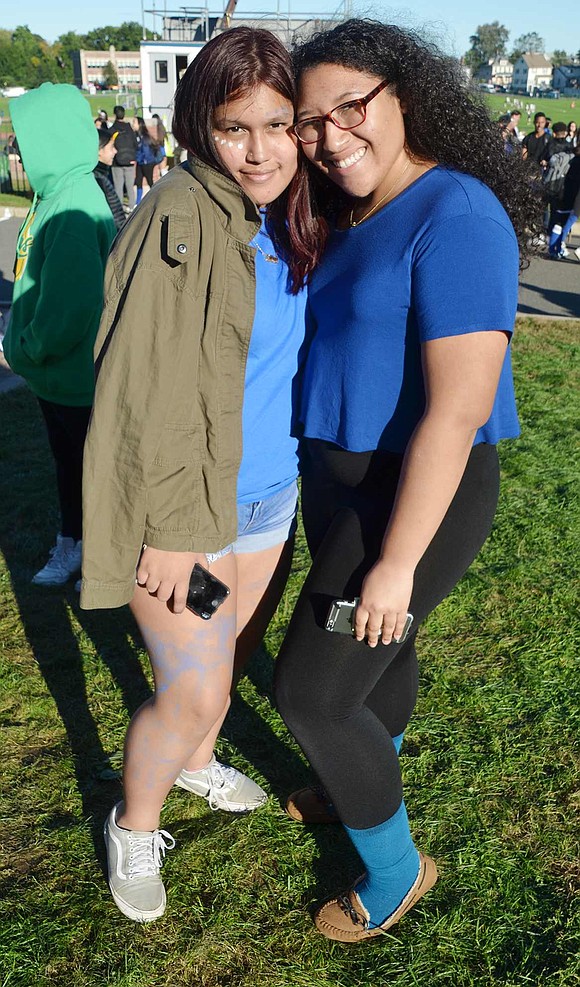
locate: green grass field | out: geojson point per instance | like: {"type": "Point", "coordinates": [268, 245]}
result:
{"type": "Point", "coordinates": [555, 109]}
{"type": "Point", "coordinates": [490, 760]}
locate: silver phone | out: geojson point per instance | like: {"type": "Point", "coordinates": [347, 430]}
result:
{"type": "Point", "coordinates": [340, 619]}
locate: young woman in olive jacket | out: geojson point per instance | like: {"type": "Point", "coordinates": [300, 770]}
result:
{"type": "Point", "coordinates": [189, 457]}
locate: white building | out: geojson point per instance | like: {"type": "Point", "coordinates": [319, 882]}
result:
{"type": "Point", "coordinates": [163, 63]}
{"type": "Point", "coordinates": [498, 71]}
{"type": "Point", "coordinates": [533, 71]}
{"type": "Point", "coordinates": [180, 35]}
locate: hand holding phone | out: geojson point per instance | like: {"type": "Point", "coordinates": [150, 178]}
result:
{"type": "Point", "coordinates": [165, 574]}
{"type": "Point", "coordinates": [206, 592]}
{"type": "Point", "coordinates": [340, 619]}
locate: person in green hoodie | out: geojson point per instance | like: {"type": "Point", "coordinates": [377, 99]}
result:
{"type": "Point", "coordinates": [58, 291]}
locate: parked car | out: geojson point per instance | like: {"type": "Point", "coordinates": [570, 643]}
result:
{"type": "Point", "coordinates": [12, 91]}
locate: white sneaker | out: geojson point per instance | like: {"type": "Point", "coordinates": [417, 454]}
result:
{"type": "Point", "coordinates": [134, 861]}
{"type": "Point", "coordinates": [223, 787]}
{"type": "Point", "coordinates": [64, 561]}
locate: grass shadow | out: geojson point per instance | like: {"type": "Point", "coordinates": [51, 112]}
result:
{"type": "Point", "coordinates": [26, 533]}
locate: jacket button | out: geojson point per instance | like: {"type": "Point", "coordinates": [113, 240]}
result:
{"type": "Point", "coordinates": [181, 248]}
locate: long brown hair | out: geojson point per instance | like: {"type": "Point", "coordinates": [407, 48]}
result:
{"type": "Point", "coordinates": [234, 64]}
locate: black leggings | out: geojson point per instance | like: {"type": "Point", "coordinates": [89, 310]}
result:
{"type": "Point", "coordinates": [67, 429]}
{"type": "Point", "coordinates": [342, 700]}
{"type": "Point", "coordinates": [144, 171]}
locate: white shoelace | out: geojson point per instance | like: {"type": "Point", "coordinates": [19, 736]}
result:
{"type": "Point", "coordinates": [146, 853]}
{"type": "Point", "coordinates": [222, 778]}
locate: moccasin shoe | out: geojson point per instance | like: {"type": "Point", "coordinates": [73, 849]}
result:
{"type": "Point", "coordinates": [345, 918]}
{"type": "Point", "coordinates": [311, 805]}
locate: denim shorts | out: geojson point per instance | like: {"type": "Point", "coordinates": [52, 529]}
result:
{"type": "Point", "coordinates": [263, 523]}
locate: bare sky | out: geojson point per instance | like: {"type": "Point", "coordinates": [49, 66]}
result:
{"type": "Point", "coordinates": [450, 21]}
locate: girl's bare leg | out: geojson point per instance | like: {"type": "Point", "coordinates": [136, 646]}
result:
{"type": "Point", "coordinates": [192, 662]}
{"type": "Point", "coordinates": [261, 580]}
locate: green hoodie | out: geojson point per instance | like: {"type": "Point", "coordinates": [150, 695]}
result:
{"type": "Point", "coordinates": [62, 247]}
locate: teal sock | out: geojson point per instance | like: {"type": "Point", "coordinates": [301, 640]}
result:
{"type": "Point", "coordinates": [391, 861]}
{"type": "Point", "coordinates": [139, 196]}
{"type": "Point", "coordinates": [398, 741]}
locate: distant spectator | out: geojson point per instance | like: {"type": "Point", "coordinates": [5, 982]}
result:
{"type": "Point", "coordinates": [572, 135]}
{"type": "Point", "coordinates": [569, 210]}
{"type": "Point", "coordinates": [125, 163]}
{"type": "Point", "coordinates": [507, 132]}
{"type": "Point", "coordinates": [58, 291]}
{"type": "Point", "coordinates": [512, 127]}
{"type": "Point", "coordinates": [160, 138]}
{"type": "Point", "coordinates": [146, 156]}
{"type": "Point", "coordinates": [160, 131]}
{"type": "Point", "coordinates": [102, 173]}
{"type": "Point", "coordinates": [102, 120]}
{"type": "Point", "coordinates": [548, 126]}
{"type": "Point", "coordinates": [558, 157]}
{"type": "Point", "coordinates": [534, 144]}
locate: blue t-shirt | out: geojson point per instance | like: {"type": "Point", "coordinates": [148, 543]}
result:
{"type": "Point", "coordinates": [439, 260]}
{"type": "Point", "coordinates": [270, 457]}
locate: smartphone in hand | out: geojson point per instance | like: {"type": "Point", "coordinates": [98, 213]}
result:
{"type": "Point", "coordinates": [206, 592]}
{"type": "Point", "coordinates": [340, 619]}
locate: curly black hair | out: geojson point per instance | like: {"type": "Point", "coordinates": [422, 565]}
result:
{"type": "Point", "coordinates": [445, 119]}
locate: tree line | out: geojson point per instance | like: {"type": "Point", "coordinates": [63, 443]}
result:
{"type": "Point", "coordinates": [26, 59]}
{"type": "Point", "coordinates": [490, 41]}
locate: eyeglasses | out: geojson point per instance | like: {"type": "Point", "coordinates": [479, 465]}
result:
{"type": "Point", "coordinates": [347, 116]}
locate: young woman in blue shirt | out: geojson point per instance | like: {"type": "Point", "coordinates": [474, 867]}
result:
{"type": "Point", "coordinates": [407, 389]}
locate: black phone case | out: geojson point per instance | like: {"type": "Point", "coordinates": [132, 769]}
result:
{"type": "Point", "coordinates": [206, 592]}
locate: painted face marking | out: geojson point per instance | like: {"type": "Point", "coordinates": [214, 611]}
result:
{"type": "Point", "coordinates": [255, 143]}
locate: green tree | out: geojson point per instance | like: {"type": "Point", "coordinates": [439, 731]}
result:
{"type": "Point", "coordinates": [560, 57]}
{"type": "Point", "coordinates": [126, 37]}
{"type": "Point", "coordinates": [110, 77]}
{"type": "Point", "coordinates": [71, 41]}
{"type": "Point", "coordinates": [26, 59]}
{"type": "Point", "coordinates": [489, 41]}
{"type": "Point", "coordinates": [527, 42]}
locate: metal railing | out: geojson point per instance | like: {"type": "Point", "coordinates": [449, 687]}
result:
{"type": "Point", "coordinates": [13, 178]}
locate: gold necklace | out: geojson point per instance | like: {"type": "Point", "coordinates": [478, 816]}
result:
{"type": "Point", "coordinates": [356, 222]}
{"type": "Point", "coordinates": [271, 258]}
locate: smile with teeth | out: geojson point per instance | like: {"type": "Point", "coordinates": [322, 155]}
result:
{"type": "Point", "coordinates": [352, 158]}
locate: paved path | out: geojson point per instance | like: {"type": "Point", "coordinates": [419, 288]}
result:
{"type": "Point", "coordinates": [550, 287]}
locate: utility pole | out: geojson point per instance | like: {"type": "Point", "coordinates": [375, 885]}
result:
{"type": "Point", "coordinates": [228, 14]}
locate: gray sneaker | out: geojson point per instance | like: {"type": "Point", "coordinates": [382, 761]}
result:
{"type": "Point", "coordinates": [223, 787]}
{"type": "Point", "coordinates": [64, 561]}
{"type": "Point", "coordinates": [134, 862]}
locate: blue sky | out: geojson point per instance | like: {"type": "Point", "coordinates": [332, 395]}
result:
{"type": "Point", "coordinates": [450, 21]}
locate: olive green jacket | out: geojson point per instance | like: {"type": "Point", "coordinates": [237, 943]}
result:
{"type": "Point", "coordinates": [165, 441]}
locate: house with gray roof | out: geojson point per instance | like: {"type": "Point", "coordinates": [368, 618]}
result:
{"type": "Point", "coordinates": [532, 71]}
